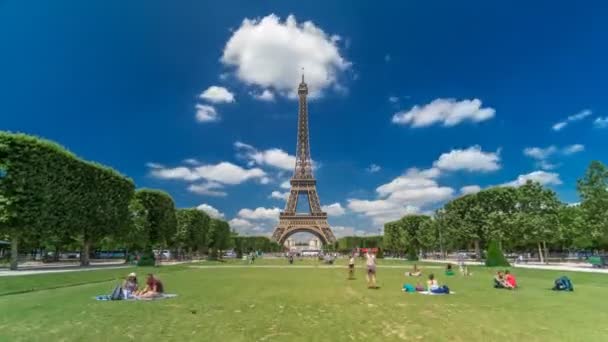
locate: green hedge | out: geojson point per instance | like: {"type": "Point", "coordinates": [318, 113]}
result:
{"type": "Point", "coordinates": [46, 191]}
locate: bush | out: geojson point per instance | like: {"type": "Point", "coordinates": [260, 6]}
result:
{"type": "Point", "coordinates": [147, 259]}
{"type": "Point", "coordinates": [495, 257]}
{"type": "Point", "coordinates": [412, 255]}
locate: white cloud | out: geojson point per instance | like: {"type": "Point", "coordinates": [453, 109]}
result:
{"type": "Point", "coordinates": [154, 165]}
{"type": "Point", "coordinates": [211, 211]}
{"type": "Point", "coordinates": [470, 189]}
{"type": "Point", "coordinates": [192, 161]}
{"type": "Point", "coordinates": [381, 211]}
{"type": "Point", "coordinates": [228, 173]}
{"type": "Point", "coordinates": [270, 54]}
{"type": "Point", "coordinates": [205, 113]}
{"type": "Point", "coordinates": [240, 224]}
{"type": "Point", "coordinates": [543, 154]}
{"type": "Point", "coordinates": [333, 209]}
{"type": "Point", "coordinates": [181, 172]}
{"type": "Point", "coordinates": [470, 159]}
{"type": "Point", "coordinates": [448, 112]}
{"type": "Point", "coordinates": [373, 168]}
{"type": "Point", "coordinates": [260, 213]}
{"type": "Point", "coordinates": [286, 185]}
{"type": "Point", "coordinates": [540, 153]}
{"type": "Point", "coordinates": [542, 177]}
{"type": "Point", "coordinates": [575, 117]}
{"type": "Point", "coordinates": [572, 149]}
{"type": "Point", "coordinates": [559, 126]}
{"type": "Point", "coordinates": [342, 231]}
{"type": "Point", "coordinates": [601, 122]}
{"type": "Point", "coordinates": [208, 189]}
{"type": "Point", "coordinates": [280, 195]}
{"type": "Point", "coordinates": [217, 94]}
{"type": "Point", "coordinates": [393, 99]}
{"type": "Point", "coordinates": [265, 95]}
{"type": "Point", "coordinates": [223, 172]}
{"type": "Point", "coordinates": [272, 157]}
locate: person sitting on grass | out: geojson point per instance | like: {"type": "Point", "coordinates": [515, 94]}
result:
{"type": "Point", "coordinates": [416, 272]}
{"type": "Point", "coordinates": [154, 288]}
{"type": "Point", "coordinates": [510, 281]}
{"type": "Point", "coordinates": [448, 270]}
{"type": "Point", "coordinates": [129, 286]}
{"type": "Point", "coordinates": [432, 283]}
{"type": "Point", "coordinates": [499, 281]}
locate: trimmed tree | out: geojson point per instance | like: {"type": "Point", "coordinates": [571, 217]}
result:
{"type": "Point", "coordinates": [160, 217]}
{"type": "Point", "coordinates": [495, 257]}
{"type": "Point", "coordinates": [47, 191]}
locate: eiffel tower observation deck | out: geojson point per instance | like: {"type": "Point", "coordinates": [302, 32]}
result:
{"type": "Point", "coordinates": [303, 184]}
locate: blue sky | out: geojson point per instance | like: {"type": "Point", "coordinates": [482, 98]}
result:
{"type": "Point", "coordinates": [414, 102]}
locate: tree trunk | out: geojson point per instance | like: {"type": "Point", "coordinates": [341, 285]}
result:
{"type": "Point", "coordinates": [14, 252]}
{"type": "Point", "coordinates": [84, 257]}
{"type": "Point", "coordinates": [477, 250]}
{"type": "Point", "coordinates": [56, 255]}
{"type": "Point", "coordinates": [546, 252]}
{"type": "Point", "coordinates": [540, 254]}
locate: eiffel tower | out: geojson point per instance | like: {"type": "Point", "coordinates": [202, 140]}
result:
{"type": "Point", "coordinates": [303, 183]}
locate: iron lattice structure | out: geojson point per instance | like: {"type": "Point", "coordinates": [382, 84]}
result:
{"type": "Point", "coordinates": [303, 183]}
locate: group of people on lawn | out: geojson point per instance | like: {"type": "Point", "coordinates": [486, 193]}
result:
{"type": "Point", "coordinates": [154, 287]}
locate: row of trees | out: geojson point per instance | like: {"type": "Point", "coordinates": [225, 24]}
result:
{"type": "Point", "coordinates": [525, 218]}
{"type": "Point", "coordinates": [51, 199]}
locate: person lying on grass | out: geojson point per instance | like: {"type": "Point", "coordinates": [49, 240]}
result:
{"type": "Point", "coordinates": [130, 286]}
{"type": "Point", "coordinates": [154, 288]}
{"type": "Point", "coordinates": [510, 281]}
{"type": "Point", "coordinates": [416, 272]}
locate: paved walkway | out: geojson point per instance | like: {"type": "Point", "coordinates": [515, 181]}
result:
{"type": "Point", "coordinates": [71, 267]}
{"type": "Point", "coordinates": [578, 267]}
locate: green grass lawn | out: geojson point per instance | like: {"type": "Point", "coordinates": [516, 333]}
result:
{"type": "Point", "coordinates": [228, 303]}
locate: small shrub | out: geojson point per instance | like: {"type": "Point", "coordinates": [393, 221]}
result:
{"type": "Point", "coordinates": [412, 255]}
{"type": "Point", "coordinates": [495, 257]}
{"type": "Point", "coordinates": [147, 259]}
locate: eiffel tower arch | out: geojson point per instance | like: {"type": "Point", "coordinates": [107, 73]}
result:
{"type": "Point", "coordinates": [303, 184]}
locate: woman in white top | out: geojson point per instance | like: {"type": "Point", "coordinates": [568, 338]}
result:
{"type": "Point", "coordinates": [432, 283]}
{"type": "Point", "coordinates": [371, 270]}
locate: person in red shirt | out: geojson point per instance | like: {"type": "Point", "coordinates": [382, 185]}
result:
{"type": "Point", "coordinates": [510, 280]}
{"type": "Point", "coordinates": [154, 288]}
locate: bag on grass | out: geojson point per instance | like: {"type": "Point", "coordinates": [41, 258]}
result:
{"type": "Point", "coordinates": [441, 290]}
{"type": "Point", "coordinates": [117, 294]}
{"type": "Point", "coordinates": [408, 288]}
{"type": "Point", "coordinates": [563, 284]}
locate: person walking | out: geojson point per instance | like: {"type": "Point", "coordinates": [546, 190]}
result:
{"type": "Point", "coordinates": [371, 270]}
{"type": "Point", "coordinates": [351, 267]}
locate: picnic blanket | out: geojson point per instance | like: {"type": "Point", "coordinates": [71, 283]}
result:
{"type": "Point", "coordinates": [435, 294]}
{"type": "Point", "coordinates": [163, 296]}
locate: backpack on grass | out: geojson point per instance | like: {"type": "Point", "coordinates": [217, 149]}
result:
{"type": "Point", "coordinates": [563, 284]}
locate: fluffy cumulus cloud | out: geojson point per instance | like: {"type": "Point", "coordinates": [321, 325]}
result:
{"type": "Point", "coordinates": [240, 224]}
{"type": "Point", "coordinates": [335, 209]}
{"type": "Point", "coordinates": [470, 189]}
{"type": "Point", "coordinates": [406, 194]}
{"type": "Point", "coordinates": [341, 231]}
{"type": "Point", "coordinates": [285, 185]}
{"type": "Point", "coordinates": [542, 177]}
{"type": "Point", "coordinates": [601, 122]}
{"type": "Point", "coordinates": [217, 94]}
{"type": "Point", "coordinates": [260, 213]}
{"type": "Point", "coordinates": [269, 54]}
{"type": "Point", "coordinates": [470, 159]}
{"type": "Point", "coordinates": [280, 195]}
{"type": "Point", "coordinates": [272, 157]}
{"type": "Point", "coordinates": [265, 95]}
{"type": "Point", "coordinates": [448, 112]}
{"type": "Point", "coordinates": [572, 149]}
{"type": "Point", "coordinates": [211, 211]}
{"type": "Point", "coordinates": [575, 117]}
{"type": "Point", "coordinates": [206, 113]}
{"type": "Point", "coordinates": [211, 178]}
